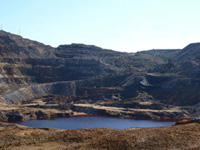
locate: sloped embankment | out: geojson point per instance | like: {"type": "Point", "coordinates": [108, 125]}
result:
{"type": "Point", "coordinates": [174, 90]}
{"type": "Point", "coordinates": [185, 136]}
{"type": "Point", "coordinates": [40, 90]}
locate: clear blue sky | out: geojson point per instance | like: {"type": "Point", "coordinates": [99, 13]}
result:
{"type": "Point", "coordinates": [124, 25]}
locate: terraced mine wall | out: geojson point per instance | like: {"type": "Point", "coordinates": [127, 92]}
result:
{"type": "Point", "coordinates": [174, 90]}
{"type": "Point", "coordinates": [29, 70]}
{"type": "Point", "coordinates": [93, 87]}
{"type": "Point", "coordinates": [40, 90]}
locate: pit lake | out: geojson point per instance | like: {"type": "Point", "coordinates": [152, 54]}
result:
{"type": "Point", "coordinates": [93, 122]}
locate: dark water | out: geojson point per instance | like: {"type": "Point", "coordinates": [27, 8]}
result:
{"type": "Point", "coordinates": [93, 122]}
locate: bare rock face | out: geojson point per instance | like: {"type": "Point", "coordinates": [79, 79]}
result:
{"type": "Point", "coordinates": [41, 114]}
{"type": "Point", "coordinates": [173, 89]}
{"type": "Point", "coordinates": [177, 82]}
{"type": "Point", "coordinates": [15, 114]}
{"type": "Point", "coordinates": [40, 90]}
{"type": "Point", "coordinates": [89, 74]}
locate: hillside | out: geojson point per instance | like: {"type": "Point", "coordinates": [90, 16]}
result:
{"type": "Point", "coordinates": [87, 74]}
{"type": "Point", "coordinates": [25, 62]}
{"type": "Point", "coordinates": [38, 81]}
{"type": "Point", "coordinates": [176, 137]}
{"type": "Point", "coordinates": [178, 80]}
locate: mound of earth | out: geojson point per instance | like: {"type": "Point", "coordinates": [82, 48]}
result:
{"type": "Point", "coordinates": [184, 136]}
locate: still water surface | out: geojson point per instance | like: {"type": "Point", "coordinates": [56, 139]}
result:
{"type": "Point", "coordinates": [93, 122]}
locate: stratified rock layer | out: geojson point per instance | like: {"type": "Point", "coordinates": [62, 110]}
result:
{"type": "Point", "coordinates": [87, 74]}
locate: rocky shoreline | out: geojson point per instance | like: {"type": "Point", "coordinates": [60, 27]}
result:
{"type": "Point", "coordinates": [23, 114]}
{"type": "Point", "coordinates": [58, 106]}
{"type": "Point", "coordinates": [38, 81]}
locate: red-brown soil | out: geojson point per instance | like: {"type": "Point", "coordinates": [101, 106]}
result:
{"type": "Point", "coordinates": [17, 137]}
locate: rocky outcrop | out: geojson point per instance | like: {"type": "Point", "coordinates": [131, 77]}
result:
{"type": "Point", "coordinates": [22, 114]}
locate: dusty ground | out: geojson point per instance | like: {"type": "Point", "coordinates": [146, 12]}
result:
{"type": "Point", "coordinates": [153, 114]}
{"type": "Point", "coordinates": [120, 109]}
{"type": "Point", "coordinates": [47, 108]}
{"type": "Point", "coordinates": [15, 137]}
